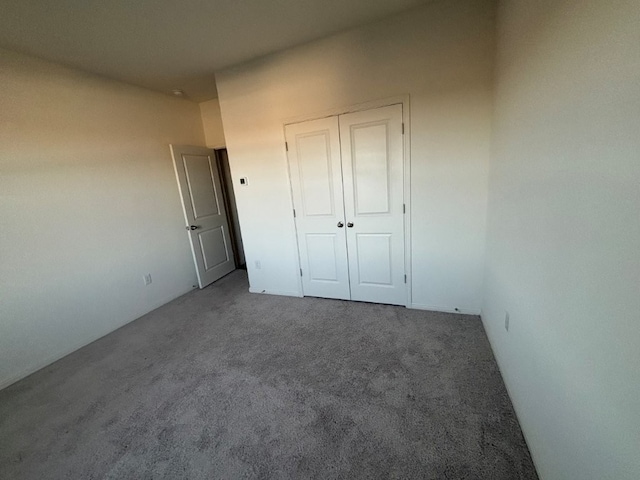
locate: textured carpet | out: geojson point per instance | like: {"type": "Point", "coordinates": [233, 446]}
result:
{"type": "Point", "coordinates": [221, 383]}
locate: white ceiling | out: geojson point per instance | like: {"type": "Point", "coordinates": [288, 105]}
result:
{"type": "Point", "coordinates": [168, 44]}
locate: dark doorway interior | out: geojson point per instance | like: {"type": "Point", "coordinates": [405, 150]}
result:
{"type": "Point", "coordinates": [230, 204]}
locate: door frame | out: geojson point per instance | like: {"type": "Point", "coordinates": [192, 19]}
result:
{"type": "Point", "coordinates": [406, 120]}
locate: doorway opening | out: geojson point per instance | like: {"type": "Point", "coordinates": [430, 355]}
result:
{"type": "Point", "coordinates": [210, 212]}
{"type": "Point", "coordinates": [232, 210]}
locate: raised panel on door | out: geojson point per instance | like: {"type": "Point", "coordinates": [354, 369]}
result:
{"type": "Point", "coordinates": [377, 246]}
{"type": "Point", "coordinates": [316, 182]}
{"type": "Point", "coordinates": [205, 214]}
{"type": "Point", "coordinates": [203, 196]}
{"type": "Point", "coordinates": [372, 167]}
{"type": "Point", "coordinates": [322, 257]}
{"type": "Point", "coordinates": [214, 247]}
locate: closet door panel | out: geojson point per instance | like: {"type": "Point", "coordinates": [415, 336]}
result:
{"type": "Point", "coordinates": [373, 179]}
{"type": "Point", "coordinates": [316, 182]}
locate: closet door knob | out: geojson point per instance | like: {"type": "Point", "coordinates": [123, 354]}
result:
{"type": "Point", "coordinates": [340, 224]}
{"type": "Point", "coordinates": [349, 224]}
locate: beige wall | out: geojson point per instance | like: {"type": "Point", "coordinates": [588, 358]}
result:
{"type": "Point", "coordinates": [212, 123]}
{"type": "Point", "coordinates": [89, 204]}
{"type": "Point", "coordinates": [441, 55]}
{"type": "Point", "coordinates": [564, 232]}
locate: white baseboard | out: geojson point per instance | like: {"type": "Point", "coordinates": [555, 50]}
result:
{"type": "Point", "coordinates": [434, 308]}
{"type": "Point", "coordinates": [415, 306]}
{"type": "Point", "coordinates": [275, 292]}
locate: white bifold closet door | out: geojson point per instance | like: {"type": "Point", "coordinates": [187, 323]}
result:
{"type": "Point", "coordinates": [347, 182]}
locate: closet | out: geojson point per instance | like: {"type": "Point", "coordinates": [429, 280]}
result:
{"type": "Point", "coordinates": [347, 183]}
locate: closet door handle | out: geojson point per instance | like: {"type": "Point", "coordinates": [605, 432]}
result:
{"type": "Point", "coordinates": [340, 224]}
{"type": "Point", "coordinates": [349, 224]}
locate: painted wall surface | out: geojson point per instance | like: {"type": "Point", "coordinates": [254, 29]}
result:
{"type": "Point", "coordinates": [441, 55]}
{"type": "Point", "coordinates": [212, 123]}
{"type": "Point", "coordinates": [89, 204]}
{"type": "Point", "coordinates": [564, 232]}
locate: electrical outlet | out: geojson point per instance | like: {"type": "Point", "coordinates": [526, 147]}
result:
{"type": "Point", "coordinates": [506, 321]}
{"type": "Point", "coordinates": [147, 279]}
{"type": "Point", "coordinates": [258, 265]}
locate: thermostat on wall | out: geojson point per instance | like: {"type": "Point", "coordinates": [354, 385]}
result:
{"type": "Point", "coordinates": [244, 181]}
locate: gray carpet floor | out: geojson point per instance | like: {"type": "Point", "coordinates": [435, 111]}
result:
{"type": "Point", "coordinates": [221, 383]}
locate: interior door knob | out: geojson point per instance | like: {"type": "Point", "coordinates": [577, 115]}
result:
{"type": "Point", "coordinates": [192, 227]}
{"type": "Point", "coordinates": [340, 224]}
{"type": "Point", "coordinates": [349, 224]}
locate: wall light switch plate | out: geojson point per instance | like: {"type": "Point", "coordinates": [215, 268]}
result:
{"type": "Point", "coordinates": [244, 181]}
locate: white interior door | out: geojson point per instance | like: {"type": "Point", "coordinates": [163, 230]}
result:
{"type": "Point", "coordinates": [204, 211]}
{"type": "Point", "coordinates": [316, 181]}
{"type": "Point", "coordinates": [372, 169]}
